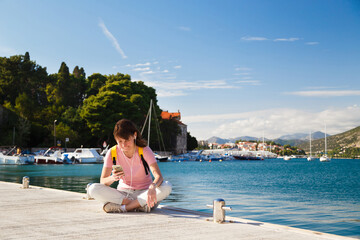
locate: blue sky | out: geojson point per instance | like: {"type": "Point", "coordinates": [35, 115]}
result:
{"type": "Point", "coordinates": [231, 67]}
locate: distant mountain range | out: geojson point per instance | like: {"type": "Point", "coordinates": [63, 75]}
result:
{"type": "Point", "coordinates": [230, 140]}
{"type": "Point", "coordinates": [293, 139]}
{"type": "Point", "coordinates": [346, 139]}
{"type": "Point", "coordinates": [304, 136]}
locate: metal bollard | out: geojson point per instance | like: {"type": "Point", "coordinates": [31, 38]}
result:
{"type": "Point", "coordinates": [25, 182]}
{"type": "Point", "coordinates": [219, 210]}
{"type": "Point", "coordinates": [88, 197]}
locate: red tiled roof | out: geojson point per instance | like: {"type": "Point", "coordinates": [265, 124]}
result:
{"type": "Point", "coordinates": [167, 115]}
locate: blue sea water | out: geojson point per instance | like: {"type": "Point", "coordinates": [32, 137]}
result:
{"type": "Point", "coordinates": [314, 195]}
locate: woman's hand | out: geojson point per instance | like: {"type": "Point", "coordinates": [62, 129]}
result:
{"type": "Point", "coordinates": [117, 175]}
{"type": "Point", "coordinates": [151, 199]}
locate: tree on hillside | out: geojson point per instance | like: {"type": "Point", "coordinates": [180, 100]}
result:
{"type": "Point", "coordinates": [22, 91]}
{"type": "Point", "coordinates": [118, 98]}
{"type": "Point", "coordinates": [66, 89]}
{"type": "Point", "coordinates": [94, 83]}
{"type": "Point", "coordinates": [191, 142]}
{"type": "Point", "coordinates": [79, 72]}
{"type": "Point", "coordinates": [20, 79]}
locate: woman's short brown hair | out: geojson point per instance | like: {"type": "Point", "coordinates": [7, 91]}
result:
{"type": "Point", "coordinates": [124, 128]}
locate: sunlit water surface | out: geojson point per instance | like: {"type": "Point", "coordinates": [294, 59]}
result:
{"type": "Point", "coordinates": [311, 195]}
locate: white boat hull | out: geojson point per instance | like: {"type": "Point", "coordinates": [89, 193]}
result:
{"type": "Point", "coordinates": [83, 155]}
{"type": "Point", "coordinates": [15, 160]}
{"type": "Point", "coordinates": [90, 160]}
{"type": "Point", "coordinates": [48, 160]}
{"type": "Point", "coordinates": [324, 159]}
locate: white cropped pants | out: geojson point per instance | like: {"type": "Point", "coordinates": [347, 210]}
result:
{"type": "Point", "coordinates": [104, 194]}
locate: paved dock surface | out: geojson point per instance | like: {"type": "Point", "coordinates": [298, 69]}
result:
{"type": "Point", "coordinates": [43, 213]}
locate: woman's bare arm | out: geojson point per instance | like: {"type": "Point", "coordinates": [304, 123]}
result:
{"type": "Point", "coordinates": [107, 178]}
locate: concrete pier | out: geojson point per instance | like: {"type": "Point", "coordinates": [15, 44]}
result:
{"type": "Point", "coordinates": [43, 213]}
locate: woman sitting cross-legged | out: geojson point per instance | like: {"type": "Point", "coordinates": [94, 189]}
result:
{"type": "Point", "coordinates": [136, 191]}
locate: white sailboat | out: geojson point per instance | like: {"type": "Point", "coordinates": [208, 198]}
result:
{"type": "Point", "coordinates": [310, 158]}
{"type": "Point", "coordinates": [287, 158]}
{"type": "Point", "coordinates": [325, 158]}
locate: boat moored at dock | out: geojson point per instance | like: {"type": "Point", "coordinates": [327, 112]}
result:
{"type": "Point", "coordinates": [287, 158]}
{"type": "Point", "coordinates": [83, 155]}
{"type": "Point", "coordinates": [51, 156]}
{"type": "Point", "coordinates": [252, 155]}
{"type": "Point", "coordinates": [161, 158]}
{"type": "Point", "coordinates": [325, 157]}
{"type": "Point", "coordinates": [11, 157]}
{"type": "Point", "coordinates": [15, 160]}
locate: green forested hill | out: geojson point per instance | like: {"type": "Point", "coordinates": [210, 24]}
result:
{"type": "Point", "coordinates": [337, 143]}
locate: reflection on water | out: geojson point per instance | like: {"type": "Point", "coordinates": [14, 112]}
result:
{"type": "Point", "coordinates": [312, 195]}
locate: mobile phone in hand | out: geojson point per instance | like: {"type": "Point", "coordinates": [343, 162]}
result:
{"type": "Point", "coordinates": [117, 168]}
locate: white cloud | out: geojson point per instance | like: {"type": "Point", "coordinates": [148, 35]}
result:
{"type": "Point", "coordinates": [249, 82]}
{"type": "Point", "coordinates": [312, 43]}
{"type": "Point", "coordinates": [165, 71]}
{"type": "Point", "coordinates": [163, 93]}
{"type": "Point", "coordinates": [182, 88]}
{"type": "Point", "coordinates": [292, 39]}
{"type": "Point", "coordinates": [242, 74]}
{"type": "Point", "coordinates": [335, 93]}
{"type": "Point", "coordinates": [177, 67]}
{"type": "Point", "coordinates": [274, 122]}
{"type": "Point", "coordinates": [168, 76]}
{"type": "Point", "coordinates": [254, 38]}
{"type": "Point", "coordinates": [243, 69]}
{"type": "Point", "coordinates": [187, 85]}
{"type": "Point", "coordinates": [112, 39]}
{"type": "Point", "coordinates": [286, 39]}
{"type": "Point", "coordinates": [322, 87]}
{"type": "Point", "coordinates": [141, 69]}
{"type": "Point", "coordinates": [187, 29]}
{"type": "Point", "coordinates": [138, 65]}
{"type": "Point", "coordinates": [148, 72]}
{"type": "Point", "coordinates": [142, 64]}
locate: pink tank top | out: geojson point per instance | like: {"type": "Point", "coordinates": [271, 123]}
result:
{"type": "Point", "coordinates": [135, 177]}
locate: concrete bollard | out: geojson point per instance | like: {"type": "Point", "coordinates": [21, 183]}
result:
{"type": "Point", "coordinates": [25, 182]}
{"type": "Point", "coordinates": [219, 210]}
{"type": "Point", "coordinates": [88, 197]}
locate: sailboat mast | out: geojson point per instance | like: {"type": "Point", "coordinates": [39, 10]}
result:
{"type": "Point", "coordinates": [325, 142]}
{"type": "Point", "coordinates": [149, 122]}
{"type": "Point", "coordinates": [310, 143]}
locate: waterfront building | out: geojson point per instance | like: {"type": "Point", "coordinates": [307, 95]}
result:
{"type": "Point", "coordinates": [181, 139]}
{"type": "Point", "coordinates": [203, 143]}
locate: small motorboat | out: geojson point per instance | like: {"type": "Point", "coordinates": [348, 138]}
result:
{"type": "Point", "coordinates": [83, 155]}
{"type": "Point", "coordinates": [51, 156]}
{"type": "Point", "coordinates": [161, 158]}
{"type": "Point", "coordinates": [12, 158]}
